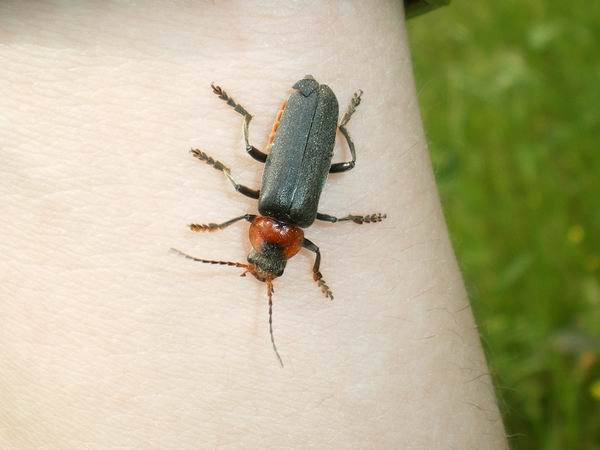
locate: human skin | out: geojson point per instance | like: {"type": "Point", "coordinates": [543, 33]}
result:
{"type": "Point", "coordinates": [108, 340]}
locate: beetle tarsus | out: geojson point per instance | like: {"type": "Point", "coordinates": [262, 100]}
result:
{"type": "Point", "coordinates": [197, 153]}
{"type": "Point", "coordinates": [356, 98]}
{"type": "Point", "coordinates": [370, 218]}
{"type": "Point", "coordinates": [318, 277]}
{"type": "Point", "coordinates": [218, 90]}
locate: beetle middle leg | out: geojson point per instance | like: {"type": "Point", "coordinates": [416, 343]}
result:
{"type": "Point", "coordinates": [220, 226]}
{"type": "Point", "coordinates": [344, 166]}
{"type": "Point", "coordinates": [317, 276]}
{"type": "Point", "coordinates": [245, 190]}
{"type": "Point", "coordinates": [370, 218]}
{"type": "Point", "coordinates": [252, 151]}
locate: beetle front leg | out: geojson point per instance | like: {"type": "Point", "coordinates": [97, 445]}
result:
{"type": "Point", "coordinates": [252, 151]}
{"type": "Point", "coordinates": [317, 276]}
{"type": "Point", "coordinates": [370, 218]}
{"type": "Point", "coordinates": [220, 226]}
{"type": "Point", "coordinates": [345, 166]}
{"type": "Point", "coordinates": [252, 193]}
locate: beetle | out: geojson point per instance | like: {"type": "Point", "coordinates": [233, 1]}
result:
{"type": "Point", "coordinates": [297, 161]}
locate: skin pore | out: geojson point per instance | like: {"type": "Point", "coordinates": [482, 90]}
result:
{"type": "Point", "coordinates": [110, 341]}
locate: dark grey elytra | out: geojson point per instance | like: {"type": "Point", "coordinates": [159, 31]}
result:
{"type": "Point", "coordinates": [296, 168]}
{"type": "Point", "coordinates": [300, 158]}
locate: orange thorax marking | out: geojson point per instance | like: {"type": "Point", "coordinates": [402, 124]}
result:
{"type": "Point", "coordinates": [265, 230]}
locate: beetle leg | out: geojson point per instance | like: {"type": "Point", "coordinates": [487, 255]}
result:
{"type": "Point", "coordinates": [317, 276]}
{"type": "Point", "coordinates": [252, 151]}
{"type": "Point", "coordinates": [370, 218]}
{"type": "Point", "coordinates": [344, 166]}
{"type": "Point", "coordinates": [252, 193]}
{"type": "Point", "coordinates": [351, 108]}
{"type": "Point", "coordinates": [220, 226]}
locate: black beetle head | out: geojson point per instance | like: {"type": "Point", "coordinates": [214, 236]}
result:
{"type": "Point", "coordinates": [269, 262]}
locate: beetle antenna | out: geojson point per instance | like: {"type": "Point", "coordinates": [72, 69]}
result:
{"type": "Point", "coordinates": [270, 291]}
{"type": "Point", "coordinates": [248, 267]}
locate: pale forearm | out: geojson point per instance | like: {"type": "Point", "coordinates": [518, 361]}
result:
{"type": "Point", "coordinates": [110, 340]}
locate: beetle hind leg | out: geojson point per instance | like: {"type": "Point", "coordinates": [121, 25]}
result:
{"type": "Point", "coordinates": [345, 166]}
{"type": "Point", "coordinates": [218, 165]}
{"type": "Point", "coordinates": [370, 218]}
{"type": "Point", "coordinates": [252, 151]}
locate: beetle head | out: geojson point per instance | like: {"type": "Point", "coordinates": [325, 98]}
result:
{"type": "Point", "coordinates": [268, 263]}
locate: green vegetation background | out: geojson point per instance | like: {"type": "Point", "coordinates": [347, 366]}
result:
{"type": "Point", "coordinates": [510, 96]}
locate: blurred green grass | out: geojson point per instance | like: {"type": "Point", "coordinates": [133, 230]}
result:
{"type": "Point", "coordinates": [510, 97]}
